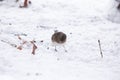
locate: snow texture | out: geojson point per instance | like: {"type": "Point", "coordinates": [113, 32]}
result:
{"type": "Point", "coordinates": [83, 21]}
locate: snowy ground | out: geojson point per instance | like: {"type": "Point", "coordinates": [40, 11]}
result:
{"type": "Point", "coordinates": [84, 22]}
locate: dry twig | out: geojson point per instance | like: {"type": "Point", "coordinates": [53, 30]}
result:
{"type": "Point", "coordinates": [34, 47]}
{"type": "Point", "coordinates": [100, 49]}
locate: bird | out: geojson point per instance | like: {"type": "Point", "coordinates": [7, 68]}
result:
{"type": "Point", "coordinates": [59, 38]}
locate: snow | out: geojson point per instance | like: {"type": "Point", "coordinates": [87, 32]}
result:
{"type": "Point", "coordinates": [84, 21]}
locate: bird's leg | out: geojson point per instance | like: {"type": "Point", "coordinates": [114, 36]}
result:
{"type": "Point", "coordinates": [64, 48]}
{"type": "Point", "coordinates": [55, 49]}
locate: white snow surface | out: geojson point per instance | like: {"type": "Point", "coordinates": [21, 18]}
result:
{"type": "Point", "coordinates": [84, 22]}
